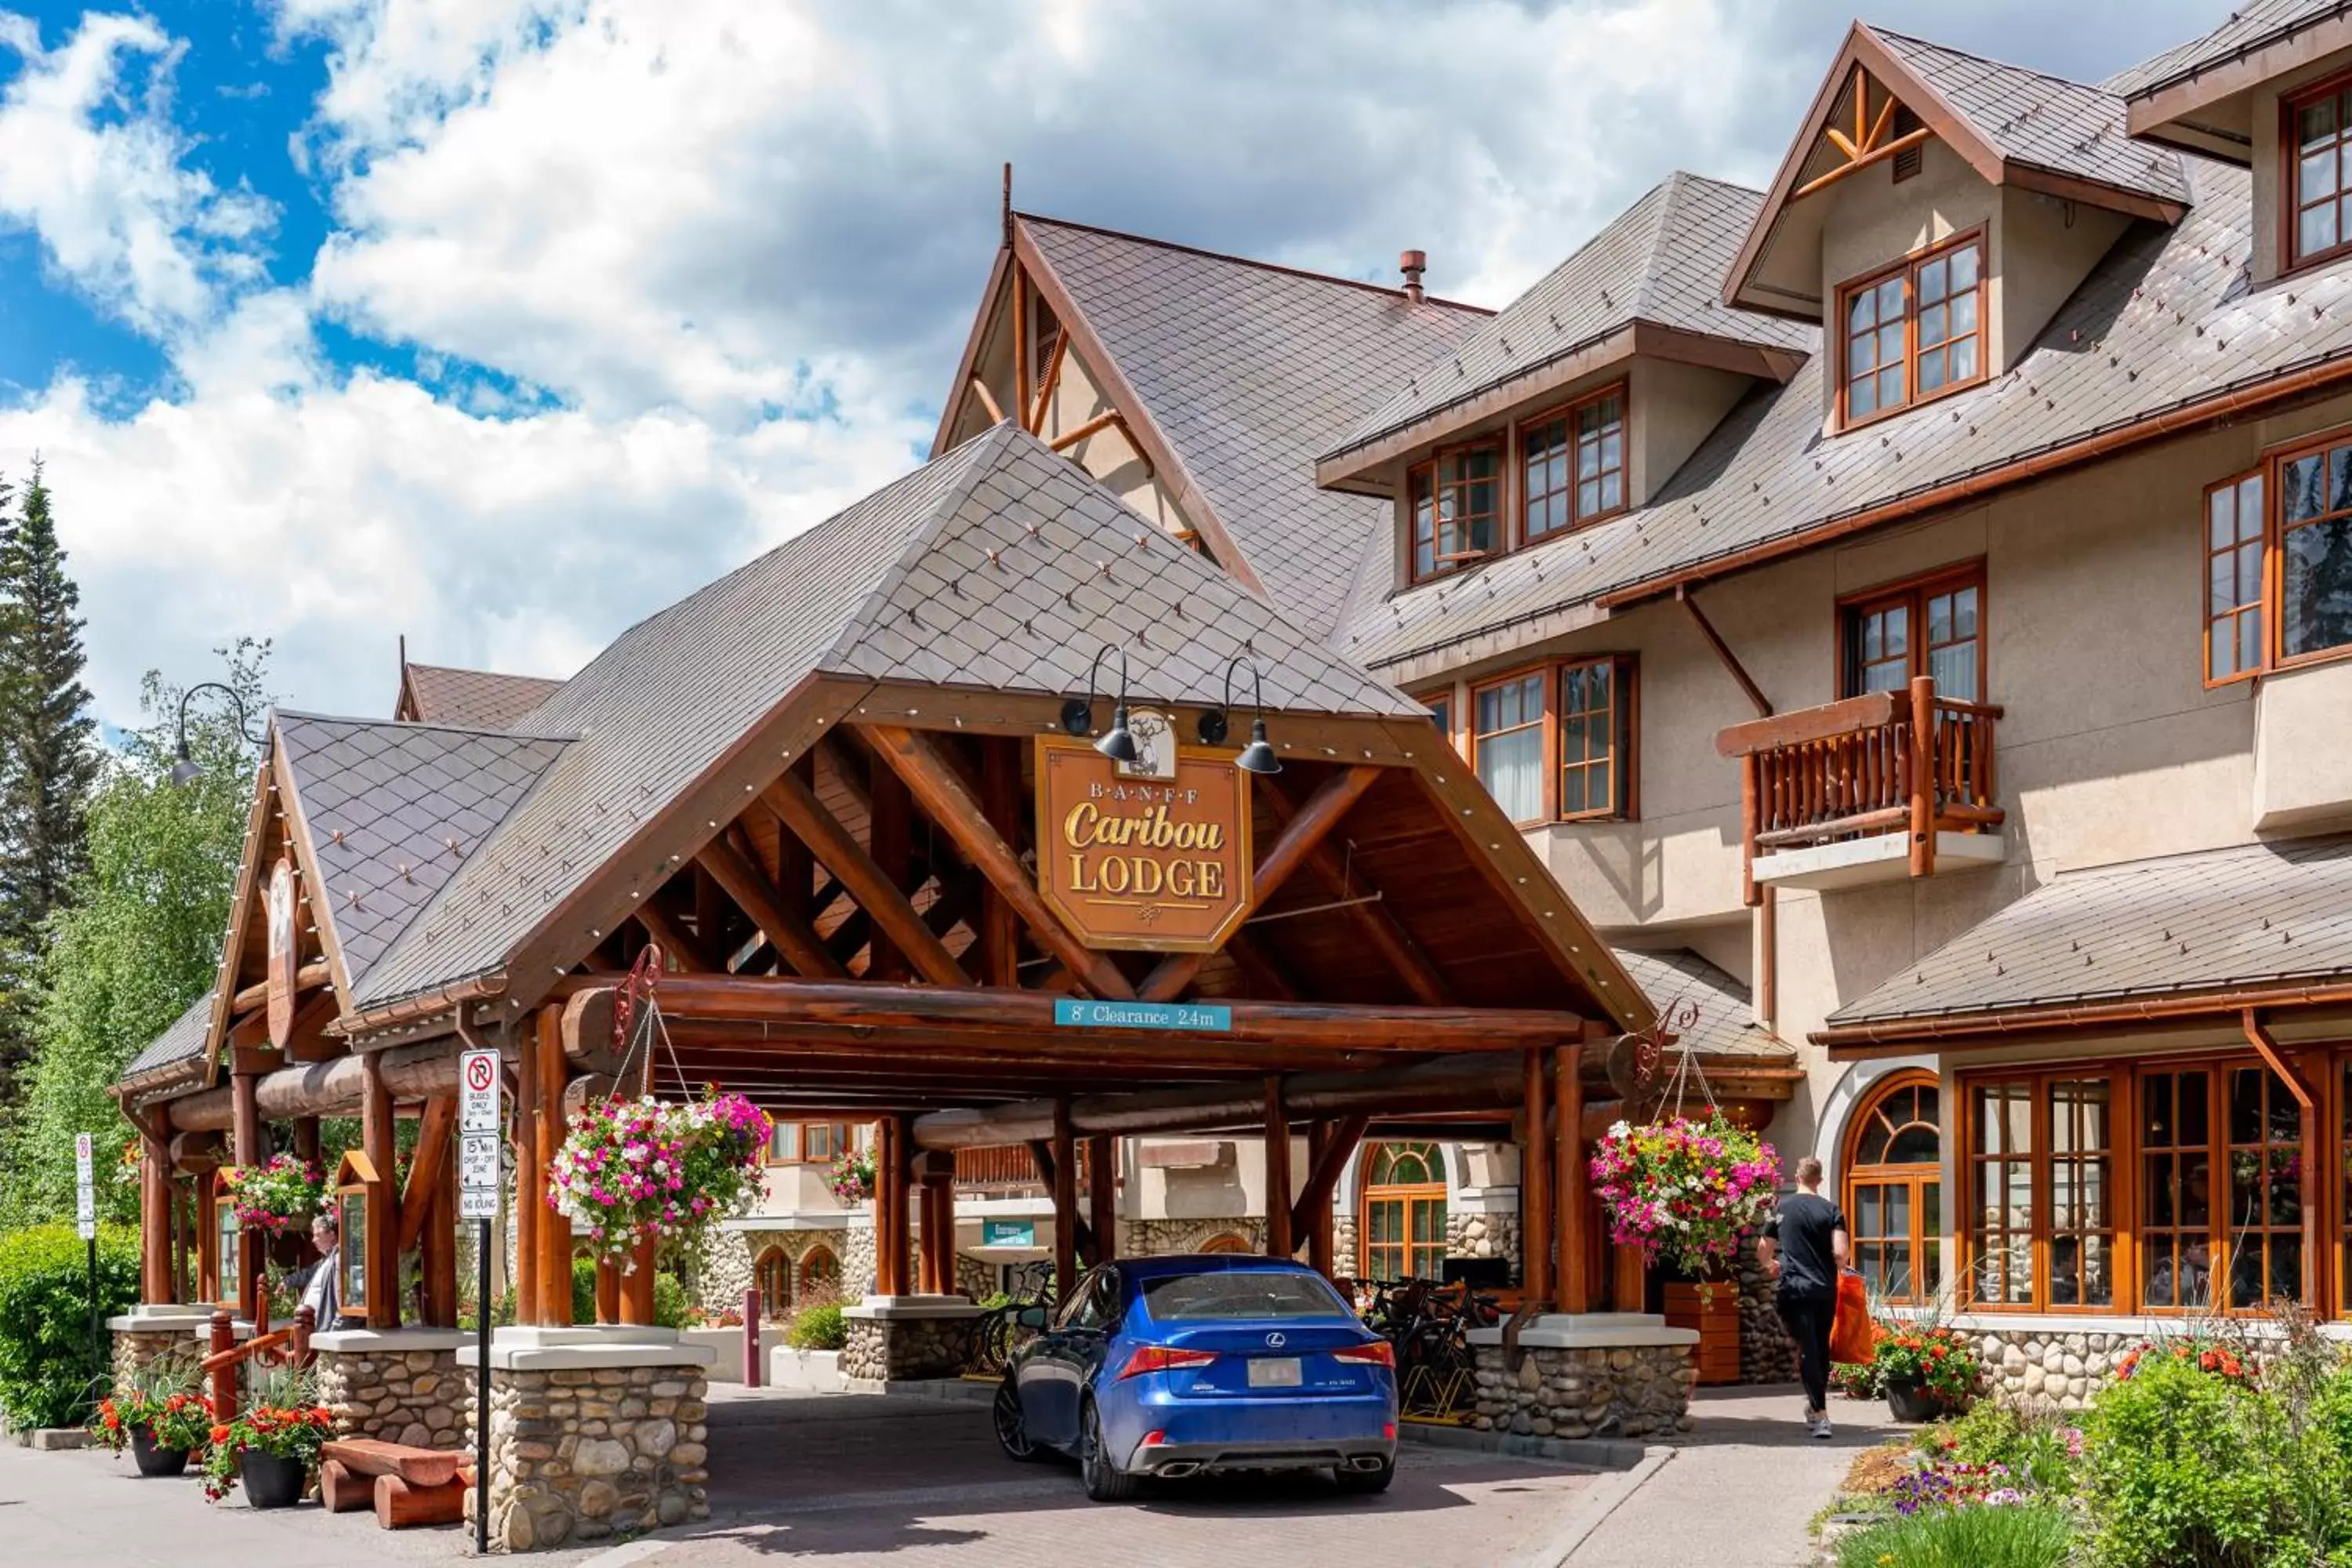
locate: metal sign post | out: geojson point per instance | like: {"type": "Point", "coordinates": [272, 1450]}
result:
{"type": "Point", "coordinates": [86, 1221]}
{"type": "Point", "coordinates": [477, 1200]}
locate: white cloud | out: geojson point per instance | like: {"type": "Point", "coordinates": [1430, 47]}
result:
{"type": "Point", "coordinates": [95, 167]}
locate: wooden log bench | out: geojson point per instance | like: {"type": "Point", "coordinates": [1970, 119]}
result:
{"type": "Point", "coordinates": [405, 1486]}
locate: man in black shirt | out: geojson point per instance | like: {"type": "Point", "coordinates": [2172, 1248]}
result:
{"type": "Point", "coordinates": [1804, 1244]}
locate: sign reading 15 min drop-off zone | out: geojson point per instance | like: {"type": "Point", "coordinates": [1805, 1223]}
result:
{"type": "Point", "coordinates": [1156, 863]}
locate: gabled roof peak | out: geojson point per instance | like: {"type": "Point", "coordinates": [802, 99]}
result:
{"type": "Point", "coordinates": [1394, 292]}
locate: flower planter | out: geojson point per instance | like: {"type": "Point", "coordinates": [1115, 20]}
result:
{"type": "Point", "coordinates": [270, 1482]}
{"type": "Point", "coordinates": [154, 1460]}
{"type": "Point", "coordinates": [1912, 1403]}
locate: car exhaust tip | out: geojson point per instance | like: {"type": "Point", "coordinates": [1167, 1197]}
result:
{"type": "Point", "coordinates": [1177, 1469]}
{"type": "Point", "coordinates": [1366, 1462]}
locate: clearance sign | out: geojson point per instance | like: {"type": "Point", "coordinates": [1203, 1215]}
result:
{"type": "Point", "coordinates": [1132, 861]}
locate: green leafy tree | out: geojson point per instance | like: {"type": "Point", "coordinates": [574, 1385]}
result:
{"type": "Point", "coordinates": [48, 754]}
{"type": "Point", "coordinates": [137, 940]}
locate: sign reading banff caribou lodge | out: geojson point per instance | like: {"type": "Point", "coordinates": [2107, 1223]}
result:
{"type": "Point", "coordinates": [1133, 861]}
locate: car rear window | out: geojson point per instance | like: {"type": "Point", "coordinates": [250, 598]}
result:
{"type": "Point", "coordinates": [1241, 1293]}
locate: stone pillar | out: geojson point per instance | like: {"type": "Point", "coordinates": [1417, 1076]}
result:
{"type": "Point", "coordinates": [1593, 1375]}
{"type": "Point", "coordinates": [150, 1331]}
{"type": "Point", "coordinates": [595, 1432]}
{"type": "Point", "coordinates": [905, 1339]}
{"type": "Point", "coordinates": [403, 1386]}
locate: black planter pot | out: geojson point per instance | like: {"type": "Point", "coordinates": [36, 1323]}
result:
{"type": "Point", "coordinates": [270, 1482]}
{"type": "Point", "coordinates": [1910, 1401]}
{"type": "Point", "coordinates": [154, 1459]}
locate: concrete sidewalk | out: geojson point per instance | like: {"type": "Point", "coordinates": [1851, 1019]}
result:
{"type": "Point", "coordinates": [1742, 1486]}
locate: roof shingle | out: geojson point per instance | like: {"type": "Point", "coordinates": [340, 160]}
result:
{"type": "Point", "coordinates": [2251, 24]}
{"type": "Point", "coordinates": [474, 698]}
{"type": "Point", "coordinates": [1726, 1025]}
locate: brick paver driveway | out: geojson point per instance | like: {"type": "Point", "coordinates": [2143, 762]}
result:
{"type": "Point", "coordinates": [857, 1480]}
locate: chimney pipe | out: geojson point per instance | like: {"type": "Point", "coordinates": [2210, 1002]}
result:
{"type": "Point", "coordinates": [1413, 264]}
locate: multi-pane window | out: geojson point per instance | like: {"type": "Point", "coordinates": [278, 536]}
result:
{"type": "Point", "coordinates": [1592, 720]}
{"type": "Point", "coordinates": [1933, 627]}
{"type": "Point", "coordinates": [2315, 551]}
{"type": "Point", "coordinates": [1455, 502]}
{"type": "Point", "coordinates": [2222, 1154]}
{"type": "Point", "coordinates": [2320, 159]}
{"type": "Point", "coordinates": [2082, 1192]}
{"type": "Point", "coordinates": [1404, 1211]}
{"type": "Point", "coordinates": [2234, 579]}
{"type": "Point", "coordinates": [2000, 1193]}
{"type": "Point", "coordinates": [1912, 332]}
{"type": "Point", "coordinates": [1507, 741]}
{"type": "Point", "coordinates": [1572, 465]}
{"type": "Point", "coordinates": [811, 1143]}
{"type": "Point", "coordinates": [2263, 1241]}
{"type": "Point", "coordinates": [1894, 1191]}
{"type": "Point", "coordinates": [2176, 1228]}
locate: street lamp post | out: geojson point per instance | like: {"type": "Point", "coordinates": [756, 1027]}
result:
{"type": "Point", "coordinates": [185, 769]}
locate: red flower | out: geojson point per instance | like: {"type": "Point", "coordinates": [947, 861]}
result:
{"type": "Point", "coordinates": [220, 1435]}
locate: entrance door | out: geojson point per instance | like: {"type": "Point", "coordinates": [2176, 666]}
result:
{"type": "Point", "coordinates": [1403, 1220]}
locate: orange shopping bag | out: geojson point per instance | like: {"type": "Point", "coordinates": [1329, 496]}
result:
{"type": "Point", "coordinates": [1850, 1332]}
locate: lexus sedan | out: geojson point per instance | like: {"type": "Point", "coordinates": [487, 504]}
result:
{"type": "Point", "coordinates": [1191, 1365]}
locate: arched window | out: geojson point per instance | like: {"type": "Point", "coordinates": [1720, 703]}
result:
{"type": "Point", "coordinates": [1228, 1242]}
{"type": "Point", "coordinates": [820, 1273]}
{"type": "Point", "coordinates": [1895, 1189]}
{"type": "Point", "coordinates": [1403, 1221]}
{"type": "Point", "coordinates": [775, 1276]}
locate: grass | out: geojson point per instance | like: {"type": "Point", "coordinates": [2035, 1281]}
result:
{"type": "Point", "coordinates": [2016, 1537]}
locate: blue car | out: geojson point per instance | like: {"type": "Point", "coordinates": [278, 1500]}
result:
{"type": "Point", "coordinates": [1185, 1367]}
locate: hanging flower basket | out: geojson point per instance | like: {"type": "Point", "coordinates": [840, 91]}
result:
{"type": "Point", "coordinates": [633, 1169]}
{"type": "Point", "coordinates": [278, 1197]}
{"type": "Point", "coordinates": [852, 1177]}
{"type": "Point", "coordinates": [1684, 1191]}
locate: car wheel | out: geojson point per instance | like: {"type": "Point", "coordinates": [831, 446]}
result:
{"type": "Point", "coordinates": [1366, 1482]}
{"type": "Point", "coordinates": [1012, 1427]}
{"type": "Point", "coordinates": [1106, 1482]}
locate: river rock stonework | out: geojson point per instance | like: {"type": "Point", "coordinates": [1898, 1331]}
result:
{"type": "Point", "coordinates": [898, 1350]}
{"type": "Point", "coordinates": [2050, 1370]}
{"type": "Point", "coordinates": [1623, 1392]}
{"type": "Point", "coordinates": [137, 1348]}
{"type": "Point", "coordinates": [1766, 1353]}
{"type": "Point", "coordinates": [420, 1398]}
{"type": "Point", "coordinates": [580, 1455]}
{"type": "Point", "coordinates": [1159, 1238]}
{"type": "Point", "coordinates": [1483, 1235]}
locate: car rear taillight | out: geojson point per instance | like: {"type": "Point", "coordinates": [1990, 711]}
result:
{"type": "Point", "coordinates": [1380, 1353]}
{"type": "Point", "coordinates": [1163, 1358]}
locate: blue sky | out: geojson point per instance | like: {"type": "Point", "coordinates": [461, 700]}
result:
{"type": "Point", "coordinates": [499, 323]}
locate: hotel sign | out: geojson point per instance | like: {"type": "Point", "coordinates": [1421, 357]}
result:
{"type": "Point", "coordinates": [1161, 864]}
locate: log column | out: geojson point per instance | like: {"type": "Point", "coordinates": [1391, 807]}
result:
{"type": "Point", "coordinates": [937, 1198]}
{"type": "Point", "coordinates": [1279, 1242]}
{"type": "Point", "coordinates": [894, 1220]}
{"type": "Point", "coordinates": [553, 1237]}
{"type": "Point", "coordinates": [1321, 1241]}
{"type": "Point", "coordinates": [529, 1182]}
{"type": "Point", "coordinates": [156, 1252]}
{"type": "Point", "coordinates": [1102, 1196]}
{"type": "Point", "coordinates": [250, 1148]}
{"type": "Point", "coordinates": [1573, 1200]}
{"type": "Point", "coordinates": [637, 1287]}
{"type": "Point", "coordinates": [1066, 1205]}
{"type": "Point", "coordinates": [382, 1240]}
{"type": "Point", "coordinates": [1535, 1186]}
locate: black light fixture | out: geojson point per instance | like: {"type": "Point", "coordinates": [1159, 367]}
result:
{"type": "Point", "coordinates": [185, 769]}
{"type": "Point", "coordinates": [1257, 757]}
{"type": "Point", "coordinates": [1078, 713]}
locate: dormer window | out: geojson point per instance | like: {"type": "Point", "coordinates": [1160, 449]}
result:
{"type": "Point", "coordinates": [1572, 465]}
{"type": "Point", "coordinates": [1912, 332]}
{"type": "Point", "coordinates": [1456, 504]}
{"type": "Point", "coordinates": [2320, 122]}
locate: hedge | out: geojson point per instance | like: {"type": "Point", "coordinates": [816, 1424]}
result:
{"type": "Point", "coordinates": [50, 1373]}
{"type": "Point", "coordinates": [669, 1296]}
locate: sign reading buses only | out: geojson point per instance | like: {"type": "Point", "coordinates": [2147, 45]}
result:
{"type": "Point", "coordinates": [1160, 864]}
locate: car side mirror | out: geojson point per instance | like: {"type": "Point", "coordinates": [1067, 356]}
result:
{"type": "Point", "coordinates": [1031, 1318]}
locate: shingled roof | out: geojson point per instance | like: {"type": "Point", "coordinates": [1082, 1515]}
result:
{"type": "Point", "coordinates": [477, 698]}
{"type": "Point", "coordinates": [1726, 1025]}
{"type": "Point", "coordinates": [2252, 24]}
{"type": "Point", "coordinates": [2163, 323]}
{"type": "Point", "coordinates": [182, 1043]}
{"type": "Point", "coordinates": [2217, 921]}
{"type": "Point", "coordinates": [996, 566]}
{"type": "Point", "coordinates": [1661, 261]}
{"type": "Point", "coordinates": [1249, 371]}
{"type": "Point", "coordinates": [391, 810]}
{"type": "Point", "coordinates": [2045, 122]}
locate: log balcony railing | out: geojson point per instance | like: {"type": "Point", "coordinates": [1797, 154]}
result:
{"type": "Point", "coordinates": [1004, 1165]}
{"type": "Point", "coordinates": [1865, 768]}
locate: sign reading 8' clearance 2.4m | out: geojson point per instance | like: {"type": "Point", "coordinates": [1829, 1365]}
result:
{"type": "Point", "coordinates": [1131, 861]}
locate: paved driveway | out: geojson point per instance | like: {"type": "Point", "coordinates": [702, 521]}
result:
{"type": "Point", "coordinates": [855, 1480]}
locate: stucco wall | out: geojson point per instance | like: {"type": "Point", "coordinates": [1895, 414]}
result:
{"type": "Point", "coordinates": [2268, 195]}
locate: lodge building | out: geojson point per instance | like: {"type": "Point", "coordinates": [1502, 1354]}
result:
{"type": "Point", "coordinates": [1884, 638]}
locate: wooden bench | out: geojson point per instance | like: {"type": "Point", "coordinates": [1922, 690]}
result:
{"type": "Point", "coordinates": [406, 1486]}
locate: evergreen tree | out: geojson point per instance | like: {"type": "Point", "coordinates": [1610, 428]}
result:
{"type": "Point", "coordinates": [48, 755]}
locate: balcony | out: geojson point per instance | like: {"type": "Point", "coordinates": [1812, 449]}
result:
{"type": "Point", "coordinates": [1860, 792]}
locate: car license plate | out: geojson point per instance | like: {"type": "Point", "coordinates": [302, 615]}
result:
{"type": "Point", "coordinates": [1274, 1371]}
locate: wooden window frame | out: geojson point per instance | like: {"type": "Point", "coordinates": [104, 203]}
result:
{"type": "Point", "coordinates": [1412, 1194]}
{"type": "Point", "coordinates": [804, 1279]}
{"type": "Point", "coordinates": [1566, 412]}
{"type": "Point", "coordinates": [773, 1311]}
{"type": "Point", "coordinates": [1853, 1171]}
{"type": "Point", "coordinates": [1919, 590]}
{"type": "Point", "coordinates": [2259, 608]}
{"type": "Point", "coordinates": [1625, 741]}
{"type": "Point", "coordinates": [2289, 201]}
{"type": "Point", "coordinates": [1547, 721]}
{"type": "Point", "coordinates": [840, 1140]}
{"type": "Point", "coordinates": [1441, 565]}
{"type": "Point", "coordinates": [1908, 267]}
{"type": "Point", "coordinates": [1550, 674]}
{"type": "Point", "coordinates": [2122, 1154]}
{"type": "Point", "coordinates": [2320, 1171]}
{"type": "Point", "coordinates": [2274, 526]}
{"type": "Point", "coordinates": [1440, 703]}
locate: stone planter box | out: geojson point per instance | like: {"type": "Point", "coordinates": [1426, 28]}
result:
{"type": "Point", "coordinates": [1601, 1375]}
{"type": "Point", "coordinates": [811, 1371]}
{"type": "Point", "coordinates": [726, 1345]}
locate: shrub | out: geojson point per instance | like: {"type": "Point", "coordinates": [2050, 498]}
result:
{"type": "Point", "coordinates": [669, 1296]}
{"type": "Point", "coordinates": [818, 1329]}
{"type": "Point", "coordinates": [2013, 1537]}
{"type": "Point", "coordinates": [2172, 1473]}
{"type": "Point", "coordinates": [2037, 1449]}
{"type": "Point", "coordinates": [50, 1373]}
